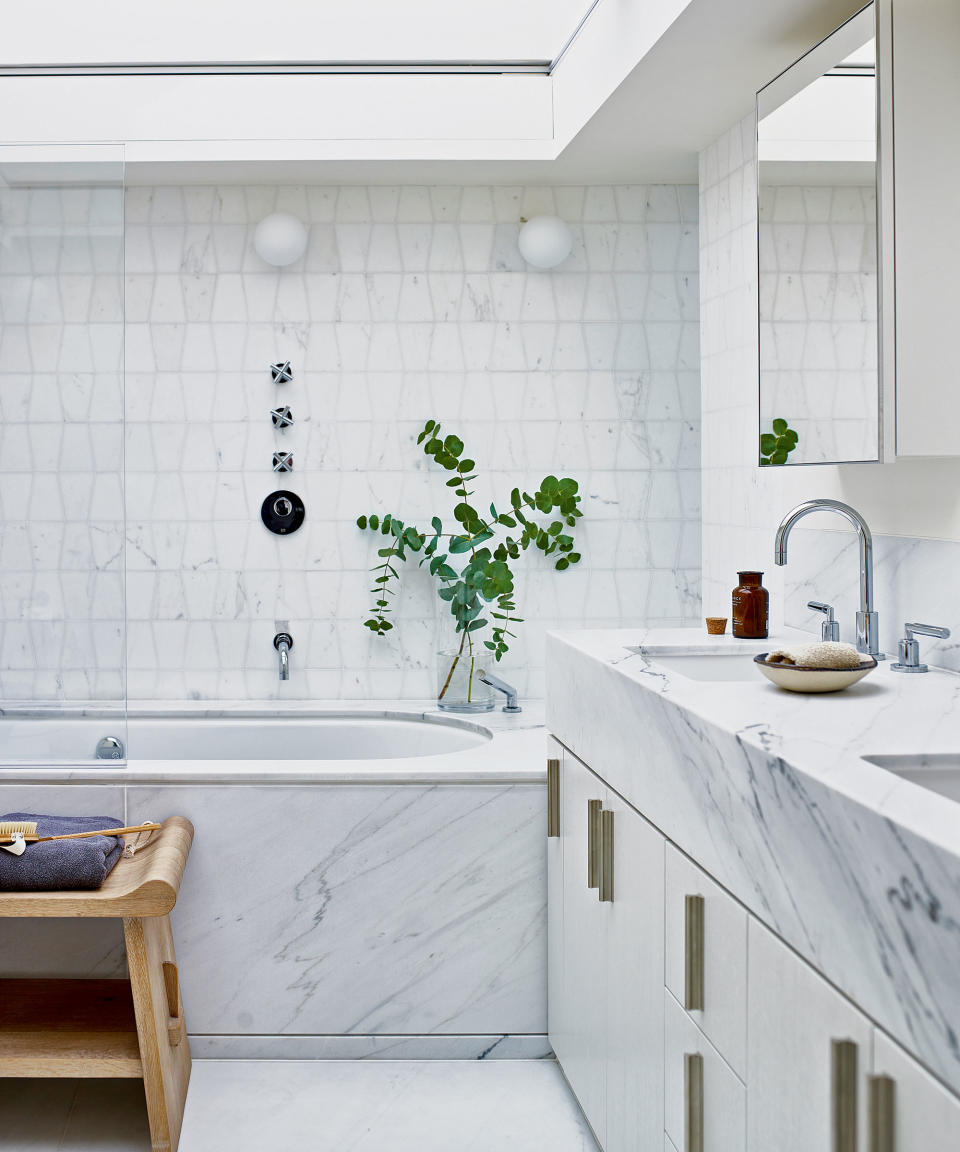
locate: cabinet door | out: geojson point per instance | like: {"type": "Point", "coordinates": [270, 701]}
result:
{"type": "Point", "coordinates": [722, 950]}
{"type": "Point", "coordinates": [634, 941]}
{"type": "Point", "coordinates": [925, 1116]}
{"type": "Point", "coordinates": [555, 937]}
{"type": "Point", "coordinates": [580, 1042]}
{"type": "Point", "coordinates": [795, 1016]}
{"type": "Point", "coordinates": [722, 1118]}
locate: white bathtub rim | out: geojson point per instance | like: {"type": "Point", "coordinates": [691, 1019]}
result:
{"type": "Point", "coordinates": [514, 753]}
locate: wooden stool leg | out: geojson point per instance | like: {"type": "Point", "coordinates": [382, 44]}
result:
{"type": "Point", "coordinates": [164, 1048]}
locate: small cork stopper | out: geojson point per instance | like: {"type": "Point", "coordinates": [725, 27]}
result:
{"type": "Point", "coordinates": [716, 625]}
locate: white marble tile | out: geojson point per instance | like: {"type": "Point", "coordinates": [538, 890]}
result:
{"type": "Point", "coordinates": [403, 1106]}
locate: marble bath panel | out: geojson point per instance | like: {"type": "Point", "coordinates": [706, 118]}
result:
{"type": "Point", "coordinates": [796, 827]}
{"type": "Point", "coordinates": [62, 948]}
{"type": "Point", "coordinates": [360, 909]}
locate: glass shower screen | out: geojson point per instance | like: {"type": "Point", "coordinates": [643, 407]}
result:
{"type": "Point", "coordinates": [62, 618]}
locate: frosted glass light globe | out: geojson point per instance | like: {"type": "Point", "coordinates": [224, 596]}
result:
{"type": "Point", "coordinates": [280, 239]}
{"type": "Point", "coordinates": [545, 241]}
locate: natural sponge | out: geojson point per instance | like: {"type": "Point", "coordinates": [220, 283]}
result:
{"type": "Point", "coordinates": [823, 654]}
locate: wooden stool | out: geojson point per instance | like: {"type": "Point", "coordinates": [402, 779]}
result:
{"type": "Point", "coordinates": [132, 1028]}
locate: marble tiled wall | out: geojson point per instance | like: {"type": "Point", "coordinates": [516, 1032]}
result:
{"type": "Point", "coordinates": [61, 444]}
{"type": "Point", "coordinates": [410, 303]}
{"type": "Point", "coordinates": [742, 503]}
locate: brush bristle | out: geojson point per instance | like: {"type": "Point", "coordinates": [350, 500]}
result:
{"type": "Point", "coordinates": [11, 828]}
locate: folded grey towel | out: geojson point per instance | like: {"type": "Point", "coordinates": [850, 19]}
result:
{"type": "Point", "coordinates": [61, 864]}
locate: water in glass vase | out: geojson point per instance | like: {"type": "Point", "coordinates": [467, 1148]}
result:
{"type": "Point", "coordinates": [459, 687]}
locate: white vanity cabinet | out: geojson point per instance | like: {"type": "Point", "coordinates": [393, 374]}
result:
{"type": "Point", "coordinates": [809, 1054]}
{"type": "Point", "coordinates": [705, 1102]}
{"type": "Point", "coordinates": [681, 1021]}
{"type": "Point", "coordinates": [706, 956]}
{"type": "Point", "coordinates": [555, 942]}
{"type": "Point", "coordinates": [634, 958]}
{"type": "Point", "coordinates": [577, 991]}
{"type": "Point", "coordinates": [606, 994]}
{"type": "Point", "coordinates": [909, 1110]}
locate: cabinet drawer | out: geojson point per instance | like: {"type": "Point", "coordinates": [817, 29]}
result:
{"type": "Point", "coordinates": [926, 1117]}
{"type": "Point", "coordinates": [802, 1032]}
{"type": "Point", "coordinates": [723, 956]}
{"type": "Point", "coordinates": [724, 1098]}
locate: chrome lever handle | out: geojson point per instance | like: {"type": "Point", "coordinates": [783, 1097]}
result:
{"type": "Point", "coordinates": [910, 650]}
{"type": "Point", "coordinates": [926, 630]}
{"type": "Point", "coordinates": [829, 629]}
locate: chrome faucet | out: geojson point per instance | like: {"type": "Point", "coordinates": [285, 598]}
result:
{"type": "Point", "coordinates": [868, 626]}
{"type": "Point", "coordinates": [501, 686]}
{"type": "Point", "coordinates": [283, 642]}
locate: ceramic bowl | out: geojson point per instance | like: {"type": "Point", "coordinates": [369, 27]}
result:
{"type": "Point", "coordinates": [797, 678]}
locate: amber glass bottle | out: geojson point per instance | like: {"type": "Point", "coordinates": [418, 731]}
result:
{"type": "Point", "coordinates": [751, 605]}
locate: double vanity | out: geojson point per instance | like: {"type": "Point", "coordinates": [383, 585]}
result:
{"type": "Point", "coordinates": [754, 899]}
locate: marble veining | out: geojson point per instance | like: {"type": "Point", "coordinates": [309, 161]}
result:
{"type": "Point", "coordinates": [360, 909]}
{"type": "Point", "coordinates": [857, 869]}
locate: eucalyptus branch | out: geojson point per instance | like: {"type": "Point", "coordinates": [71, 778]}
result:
{"type": "Point", "coordinates": [486, 578]}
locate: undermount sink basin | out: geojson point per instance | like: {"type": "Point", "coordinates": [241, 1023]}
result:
{"type": "Point", "coordinates": [938, 771]}
{"type": "Point", "coordinates": [716, 666]}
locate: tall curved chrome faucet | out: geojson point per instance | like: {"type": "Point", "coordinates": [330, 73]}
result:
{"type": "Point", "coordinates": [868, 625]}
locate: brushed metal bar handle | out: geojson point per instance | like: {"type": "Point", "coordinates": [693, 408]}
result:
{"type": "Point", "coordinates": [606, 857]}
{"type": "Point", "coordinates": [594, 808]}
{"type": "Point", "coordinates": [693, 1097]}
{"type": "Point", "coordinates": [881, 1093]}
{"type": "Point", "coordinates": [843, 1100]}
{"type": "Point", "coordinates": [693, 959]}
{"type": "Point", "coordinates": [553, 797]}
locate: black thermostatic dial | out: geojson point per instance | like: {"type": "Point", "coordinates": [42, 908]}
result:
{"type": "Point", "coordinates": [282, 512]}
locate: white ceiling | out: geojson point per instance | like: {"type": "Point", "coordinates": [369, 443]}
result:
{"type": "Point", "coordinates": [185, 31]}
{"type": "Point", "coordinates": [697, 80]}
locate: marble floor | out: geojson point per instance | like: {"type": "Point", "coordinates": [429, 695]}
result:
{"type": "Point", "coordinates": [323, 1106]}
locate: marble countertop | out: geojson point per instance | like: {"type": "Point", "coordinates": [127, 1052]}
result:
{"type": "Point", "coordinates": [514, 754]}
{"type": "Point", "coordinates": [823, 736]}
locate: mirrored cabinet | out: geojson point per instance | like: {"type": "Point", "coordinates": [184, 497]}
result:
{"type": "Point", "coordinates": [859, 241]}
{"type": "Point", "coordinates": [817, 247]}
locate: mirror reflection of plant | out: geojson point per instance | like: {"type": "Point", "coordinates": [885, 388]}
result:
{"type": "Point", "coordinates": [775, 447]}
{"type": "Point", "coordinates": [486, 581]}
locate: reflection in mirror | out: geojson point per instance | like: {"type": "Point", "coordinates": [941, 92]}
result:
{"type": "Point", "coordinates": [817, 221]}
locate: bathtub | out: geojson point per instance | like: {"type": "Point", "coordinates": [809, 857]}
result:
{"type": "Point", "coordinates": [68, 737]}
{"type": "Point", "coordinates": [366, 880]}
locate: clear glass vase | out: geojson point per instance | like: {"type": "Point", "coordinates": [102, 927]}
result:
{"type": "Point", "coordinates": [459, 687]}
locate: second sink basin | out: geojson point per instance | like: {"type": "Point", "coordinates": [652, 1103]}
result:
{"type": "Point", "coordinates": [717, 666]}
{"type": "Point", "coordinates": [938, 771]}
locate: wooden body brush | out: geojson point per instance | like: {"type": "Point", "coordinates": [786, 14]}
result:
{"type": "Point", "coordinates": [15, 835]}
